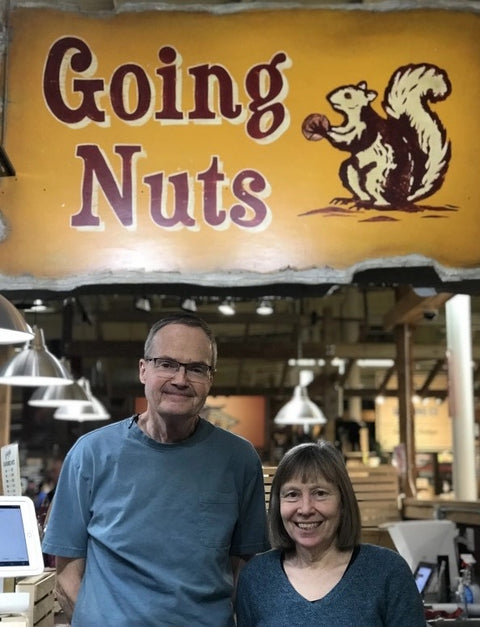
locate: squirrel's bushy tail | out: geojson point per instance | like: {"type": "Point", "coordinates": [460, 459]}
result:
{"type": "Point", "coordinates": [407, 95]}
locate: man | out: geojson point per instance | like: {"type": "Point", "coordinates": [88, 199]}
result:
{"type": "Point", "coordinates": [151, 514]}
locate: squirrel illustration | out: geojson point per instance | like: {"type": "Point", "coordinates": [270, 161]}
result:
{"type": "Point", "coordinates": [397, 160]}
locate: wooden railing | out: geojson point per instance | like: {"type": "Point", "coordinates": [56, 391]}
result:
{"type": "Point", "coordinates": [460, 512]}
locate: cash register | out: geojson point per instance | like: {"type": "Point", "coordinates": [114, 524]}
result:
{"type": "Point", "coordinates": [20, 550]}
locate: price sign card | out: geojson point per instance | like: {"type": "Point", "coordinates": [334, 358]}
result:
{"type": "Point", "coordinates": [11, 470]}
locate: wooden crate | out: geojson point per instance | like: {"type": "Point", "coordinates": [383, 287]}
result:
{"type": "Point", "coordinates": [268, 474]}
{"type": "Point", "coordinates": [42, 598]}
{"type": "Point", "coordinates": [377, 493]}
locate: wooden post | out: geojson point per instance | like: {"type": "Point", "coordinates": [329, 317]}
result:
{"type": "Point", "coordinates": [5, 400]}
{"type": "Point", "coordinates": [406, 412]}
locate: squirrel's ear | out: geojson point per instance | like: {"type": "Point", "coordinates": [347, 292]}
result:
{"type": "Point", "coordinates": [370, 93]}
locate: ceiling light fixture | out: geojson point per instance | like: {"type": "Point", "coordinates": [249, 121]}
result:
{"type": "Point", "coordinates": [307, 362]}
{"type": "Point", "coordinates": [300, 410]}
{"type": "Point", "coordinates": [59, 395]}
{"type": "Point", "coordinates": [189, 304]}
{"type": "Point", "coordinates": [34, 365]}
{"type": "Point", "coordinates": [95, 410]}
{"type": "Point", "coordinates": [142, 303]}
{"type": "Point", "coordinates": [13, 327]}
{"type": "Point", "coordinates": [265, 307]}
{"type": "Point", "coordinates": [375, 363]}
{"type": "Point", "coordinates": [227, 307]}
{"type": "Point", "coordinates": [38, 306]}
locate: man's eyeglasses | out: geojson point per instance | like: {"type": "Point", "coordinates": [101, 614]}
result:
{"type": "Point", "coordinates": [194, 371]}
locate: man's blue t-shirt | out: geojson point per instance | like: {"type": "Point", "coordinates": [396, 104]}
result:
{"type": "Point", "coordinates": [157, 524]}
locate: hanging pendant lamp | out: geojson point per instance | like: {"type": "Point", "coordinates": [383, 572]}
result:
{"type": "Point", "coordinates": [58, 396]}
{"type": "Point", "coordinates": [13, 327]}
{"type": "Point", "coordinates": [300, 410]}
{"type": "Point", "coordinates": [34, 365]}
{"type": "Point", "coordinates": [95, 410]}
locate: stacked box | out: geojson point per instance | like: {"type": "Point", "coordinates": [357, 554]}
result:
{"type": "Point", "coordinates": [42, 598]}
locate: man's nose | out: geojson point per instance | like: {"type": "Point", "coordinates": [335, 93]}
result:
{"type": "Point", "coordinates": [180, 375]}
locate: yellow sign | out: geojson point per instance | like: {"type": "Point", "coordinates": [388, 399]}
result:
{"type": "Point", "coordinates": [433, 425]}
{"type": "Point", "coordinates": [255, 145]}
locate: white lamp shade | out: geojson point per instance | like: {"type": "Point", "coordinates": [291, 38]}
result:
{"type": "Point", "coordinates": [265, 308]}
{"type": "Point", "coordinates": [227, 308]}
{"type": "Point", "coordinates": [34, 366]}
{"type": "Point", "coordinates": [80, 413]}
{"type": "Point", "coordinates": [59, 395]}
{"type": "Point", "coordinates": [13, 327]}
{"type": "Point", "coordinates": [95, 410]}
{"type": "Point", "coordinates": [300, 410]}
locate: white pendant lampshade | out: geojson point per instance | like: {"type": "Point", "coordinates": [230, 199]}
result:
{"type": "Point", "coordinates": [59, 395]}
{"type": "Point", "coordinates": [300, 410]}
{"type": "Point", "coordinates": [13, 327]}
{"type": "Point", "coordinates": [95, 410]}
{"type": "Point", "coordinates": [34, 365]}
{"type": "Point", "coordinates": [81, 413]}
{"type": "Point", "coordinates": [227, 307]}
{"type": "Point", "coordinates": [265, 307]}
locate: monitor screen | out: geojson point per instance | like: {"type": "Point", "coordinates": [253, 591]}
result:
{"type": "Point", "coordinates": [20, 548]}
{"type": "Point", "coordinates": [423, 574]}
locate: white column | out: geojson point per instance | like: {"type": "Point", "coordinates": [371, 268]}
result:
{"type": "Point", "coordinates": [460, 386]}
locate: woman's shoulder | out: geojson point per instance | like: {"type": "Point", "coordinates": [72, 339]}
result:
{"type": "Point", "coordinates": [381, 554]}
{"type": "Point", "coordinates": [263, 561]}
{"type": "Point", "coordinates": [375, 550]}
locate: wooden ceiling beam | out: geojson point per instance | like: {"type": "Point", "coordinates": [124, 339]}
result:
{"type": "Point", "coordinates": [412, 308]}
{"type": "Point", "coordinates": [388, 375]}
{"type": "Point", "coordinates": [424, 390]}
{"type": "Point", "coordinates": [264, 351]}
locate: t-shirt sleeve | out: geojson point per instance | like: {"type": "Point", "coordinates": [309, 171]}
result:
{"type": "Point", "coordinates": [66, 533]}
{"type": "Point", "coordinates": [250, 535]}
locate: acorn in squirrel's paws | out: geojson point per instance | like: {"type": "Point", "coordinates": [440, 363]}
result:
{"type": "Point", "coordinates": [315, 126]}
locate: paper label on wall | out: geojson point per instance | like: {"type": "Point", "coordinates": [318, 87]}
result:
{"type": "Point", "coordinates": [11, 470]}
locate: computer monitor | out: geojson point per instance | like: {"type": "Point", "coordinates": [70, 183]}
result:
{"type": "Point", "coordinates": [423, 574]}
{"type": "Point", "coordinates": [20, 547]}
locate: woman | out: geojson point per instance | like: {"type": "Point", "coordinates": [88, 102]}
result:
{"type": "Point", "coordinates": [318, 573]}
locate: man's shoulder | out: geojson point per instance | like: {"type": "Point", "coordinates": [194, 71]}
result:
{"type": "Point", "coordinates": [229, 437]}
{"type": "Point", "coordinates": [102, 434]}
{"type": "Point", "coordinates": [237, 447]}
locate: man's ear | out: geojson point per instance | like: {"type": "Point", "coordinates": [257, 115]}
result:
{"type": "Point", "coordinates": [141, 370]}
